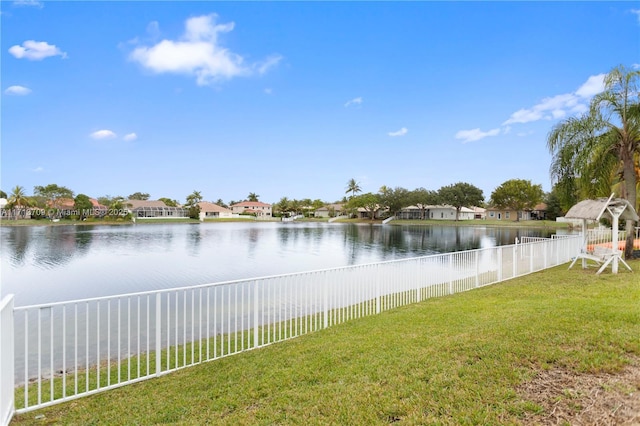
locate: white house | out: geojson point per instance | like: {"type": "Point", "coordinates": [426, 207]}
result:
{"type": "Point", "coordinates": [213, 211]}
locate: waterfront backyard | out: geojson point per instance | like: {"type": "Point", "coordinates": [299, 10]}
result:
{"type": "Point", "coordinates": [554, 347]}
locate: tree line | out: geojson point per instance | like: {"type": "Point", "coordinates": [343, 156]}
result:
{"type": "Point", "coordinates": [593, 155]}
{"type": "Point", "coordinates": [515, 194]}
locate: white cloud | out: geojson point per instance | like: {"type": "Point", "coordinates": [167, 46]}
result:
{"type": "Point", "coordinates": [103, 134]}
{"type": "Point", "coordinates": [593, 86]}
{"type": "Point", "coordinates": [475, 134]}
{"type": "Point", "coordinates": [130, 137]}
{"type": "Point", "coordinates": [33, 3]}
{"type": "Point", "coordinates": [268, 91]}
{"type": "Point", "coordinates": [38, 169]}
{"type": "Point", "coordinates": [199, 53]}
{"type": "Point", "coordinates": [560, 106]}
{"type": "Point", "coordinates": [17, 90]}
{"type": "Point", "coordinates": [35, 50]}
{"type": "Point", "coordinates": [267, 64]}
{"type": "Point", "coordinates": [355, 101]}
{"type": "Point", "coordinates": [400, 132]}
{"type": "Point", "coordinates": [637, 12]}
{"type": "Point", "coordinates": [635, 66]}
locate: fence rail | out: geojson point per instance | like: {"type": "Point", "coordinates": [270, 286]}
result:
{"type": "Point", "coordinates": [71, 349]}
{"type": "Point", "coordinates": [602, 237]}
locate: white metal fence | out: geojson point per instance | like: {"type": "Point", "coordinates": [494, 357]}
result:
{"type": "Point", "coordinates": [71, 349]}
{"type": "Point", "coordinates": [6, 360]}
{"type": "Point", "coordinates": [603, 237]}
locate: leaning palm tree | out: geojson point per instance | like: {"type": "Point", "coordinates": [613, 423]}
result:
{"type": "Point", "coordinates": [353, 187]}
{"type": "Point", "coordinates": [601, 144]}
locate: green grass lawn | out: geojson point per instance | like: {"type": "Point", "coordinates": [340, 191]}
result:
{"type": "Point", "coordinates": [455, 360]}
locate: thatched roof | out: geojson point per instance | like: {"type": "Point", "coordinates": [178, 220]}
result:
{"type": "Point", "coordinates": [595, 209]}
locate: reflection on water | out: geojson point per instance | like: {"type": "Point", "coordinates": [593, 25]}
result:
{"type": "Point", "coordinates": [43, 264]}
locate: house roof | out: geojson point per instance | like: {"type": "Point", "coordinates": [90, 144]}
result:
{"type": "Point", "coordinates": [206, 206]}
{"type": "Point", "coordinates": [134, 204]}
{"type": "Point", "coordinates": [64, 203]}
{"type": "Point", "coordinates": [96, 204]}
{"type": "Point", "coordinates": [250, 204]}
{"type": "Point", "coordinates": [330, 206]}
{"type": "Point", "coordinates": [595, 209]}
{"type": "Point", "coordinates": [540, 207]}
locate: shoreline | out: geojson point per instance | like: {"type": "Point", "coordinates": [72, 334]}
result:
{"type": "Point", "coordinates": [543, 224]}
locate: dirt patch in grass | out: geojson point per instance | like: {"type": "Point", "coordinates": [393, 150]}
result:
{"type": "Point", "coordinates": [570, 398]}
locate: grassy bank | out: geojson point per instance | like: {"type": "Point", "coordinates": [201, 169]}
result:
{"type": "Point", "coordinates": [481, 357]}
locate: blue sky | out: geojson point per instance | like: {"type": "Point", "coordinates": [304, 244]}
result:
{"type": "Point", "coordinates": [295, 98]}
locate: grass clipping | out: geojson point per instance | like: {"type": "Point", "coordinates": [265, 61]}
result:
{"type": "Point", "coordinates": [572, 398]}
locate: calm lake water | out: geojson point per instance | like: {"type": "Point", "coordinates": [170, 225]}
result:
{"type": "Point", "coordinates": [42, 264]}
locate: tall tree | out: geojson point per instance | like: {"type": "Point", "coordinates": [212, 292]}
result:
{"type": "Point", "coordinates": [221, 203]}
{"type": "Point", "coordinates": [192, 204]}
{"type": "Point", "coordinates": [139, 196]}
{"type": "Point", "coordinates": [517, 194]}
{"type": "Point", "coordinates": [283, 206]}
{"type": "Point", "coordinates": [53, 193]}
{"type": "Point", "coordinates": [168, 201]}
{"type": "Point", "coordinates": [554, 206]}
{"type": "Point", "coordinates": [83, 205]}
{"type": "Point", "coordinates": [394, 199]}
{"type": "Point", "coordinates": [597, 149]}
{"type": "Point", "coordinates": [18, 201]}
{"type": "Point", "coordinates": [460, 195]}
{"type": "Point", "coordinates": [353, 187]}
{"type": "Point", "coordinates": [252, 196]}
{"type": "Point", "coordinates": [369, 201]}
{"type": "Point", "coordinates": [422, 198]}
{"type": "Point", "coordinates": [3, 194]}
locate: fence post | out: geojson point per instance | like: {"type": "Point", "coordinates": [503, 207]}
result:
{"type": "Point", "coordinates": [450, 256]}
{"type": "Point", "coordinates": [499, 263]}
{"type": "Point", "coordinates": [7, 342]}
{"type": "Point", "coordinates": [378, 289]}
{"type": "Point", "coordinates": [256, 314]}
{"type": "Point", "coordinates": [325, 314]}
{"type": "Point", "coordinates": [159, 333]}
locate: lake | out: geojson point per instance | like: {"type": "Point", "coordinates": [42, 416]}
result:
{"type": "Point", "coordinates": [42, 264]}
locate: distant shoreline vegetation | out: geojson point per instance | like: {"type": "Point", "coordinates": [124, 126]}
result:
{"type": "Point", "coordinates": [418, 222]}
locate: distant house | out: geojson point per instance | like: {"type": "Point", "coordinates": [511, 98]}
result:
{"type": "Point", "coordinates": [539, 212]}
{"type": "Point", "coordinates": [437, 212]}
{"type": "Point", "coordinates": [366, 214]}
{"type": "Point", "coordinates": [154, 209]}
{"type": "Point", "coordinates": [213, 211]}
{"type": "Point", "coordinates": [479, 213]}
{"type": "Point", "coordinates": [98, 209]}
{"type": "Point", "coordinates": [330, 210]}
{"type": "Point", "coordinates": [495, 213]}
{"type": "Point", "coordinates": [256, 208]}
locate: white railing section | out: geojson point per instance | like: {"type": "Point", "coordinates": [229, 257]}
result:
{"type": "Point", "coordinates": [602, 237]}
{"type": "Point", "coordinates": [6, 360]}
{"type": "Point", "coordinates": [71, 349]}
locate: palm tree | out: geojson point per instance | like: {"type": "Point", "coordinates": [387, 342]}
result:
{"type": "Point", "coordinates": [596, 151]}
{"type": "Point", "coordinates": [252, 196]}
{"type": "Point", "coordinates": [18, 200]}
{"type": "Point", "coordinates": [353, 187]}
